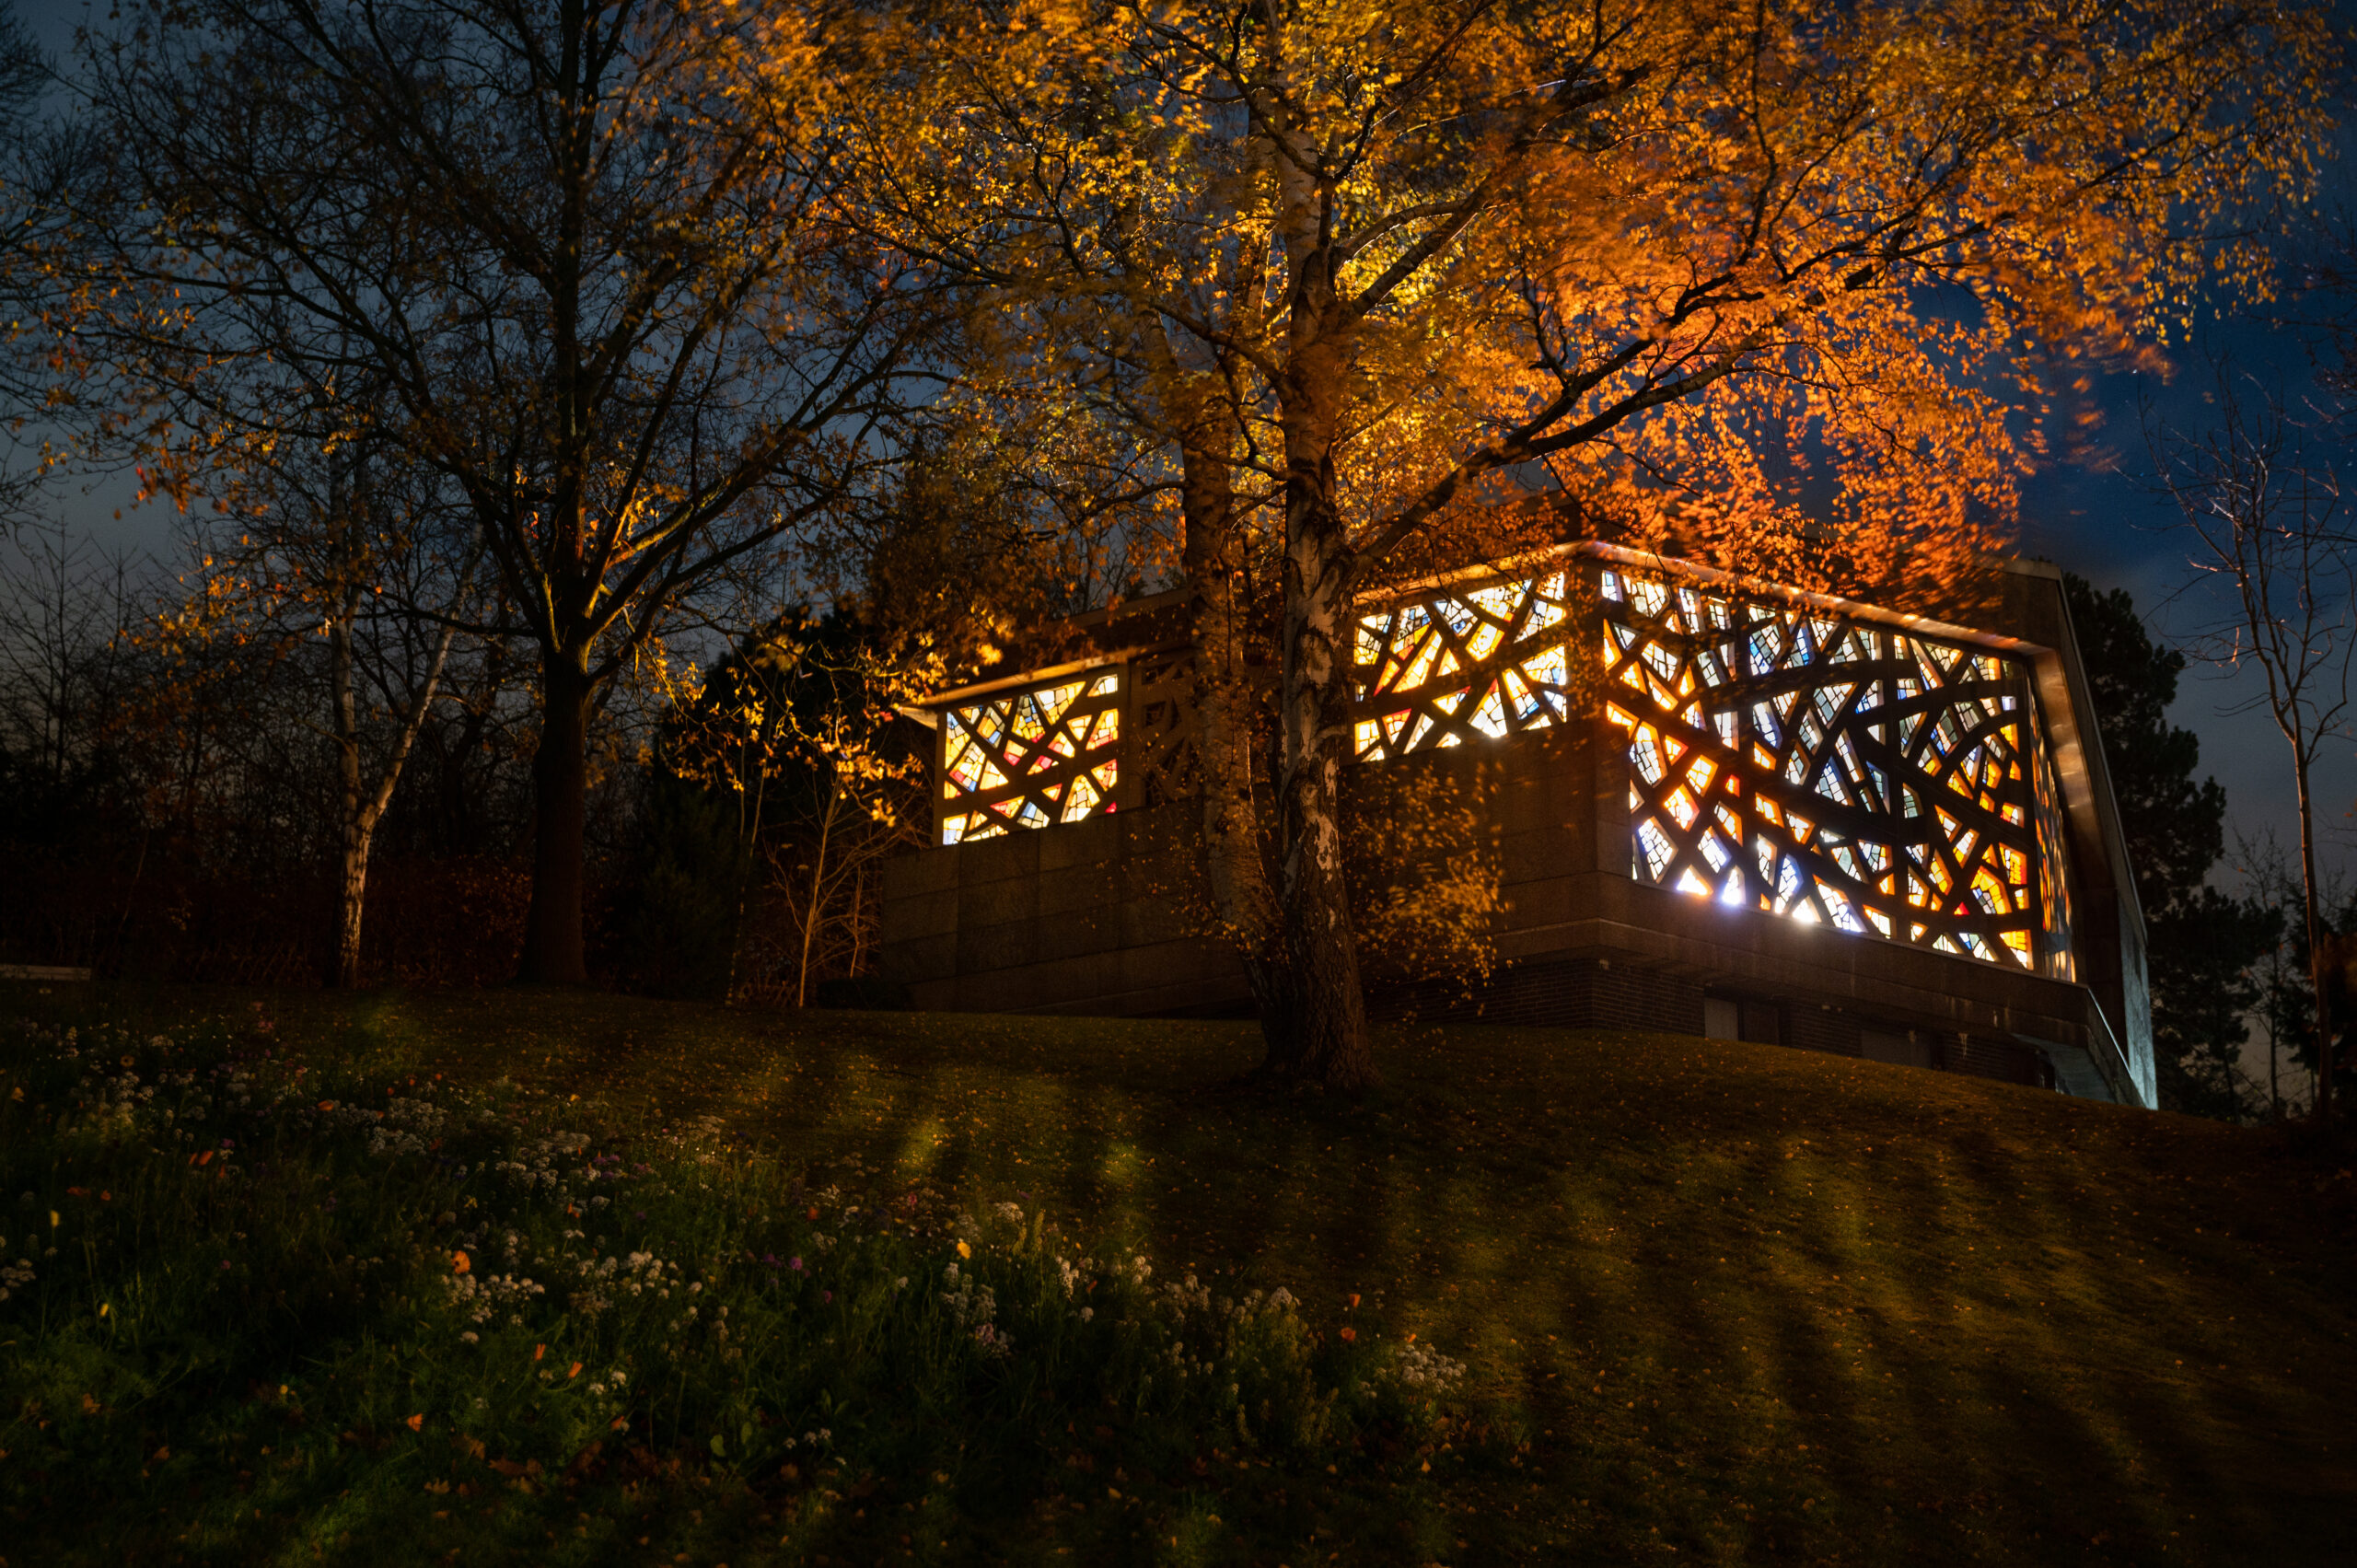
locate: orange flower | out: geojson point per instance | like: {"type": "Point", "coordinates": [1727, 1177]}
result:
{"type": "Point", "coordinates": [460, 1264]}
{"type": "Point", "coordinates": [1349, 1334]}
{"type": "Point", "coordinates": [577, 1370]}
{"type": "Point", "coordinates": [1354, 1300]}
{"type": "Point", "coordinates": [539, 1350]}
{"type": "Point", "coordinates": [416, 1421]}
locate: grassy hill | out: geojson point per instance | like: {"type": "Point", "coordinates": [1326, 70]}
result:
{"type": "Point", "coordinates": [1718, 1302]}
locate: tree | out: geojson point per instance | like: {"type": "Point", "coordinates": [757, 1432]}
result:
{"type": "Point", "coordinates": [352, 546]}
{"type": "Point", "coordinates": [2202, 945]}
{"type": "Point", "coordinates": [799, 729]}
{"type": "Point", "coordinates": [2287, 973]}
{"type": "Point", "coordinates": [582, 260]}
{"type": "Point", "coordinates": [1376, 268]}
{"type": "Point", "coordinates": [31, 164]}
{"type": "Point", "coordinates": [2266, 534]}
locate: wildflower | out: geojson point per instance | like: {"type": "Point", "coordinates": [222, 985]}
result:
{"type": "Point", "coordinates": [794, 1263]}
{"type": "Point", "coordinates": [575, 1372]}
{"type": "Point", "coordinates": [1350, 1334]}
{"type": "Point", "coordinates": [416, 1422]}
{"type": "Point", "coordinates": [460, 1264]}
{"type": "Point", "coordinates": [470, 1337]}
{"type": "Point", "coordinates": [825, 1297]}
{"type": "Point", "coordinates": [964, 1250]}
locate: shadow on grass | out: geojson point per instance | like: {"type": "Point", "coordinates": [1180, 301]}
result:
{"type": "Point", "coordinates": [1744, 1302]}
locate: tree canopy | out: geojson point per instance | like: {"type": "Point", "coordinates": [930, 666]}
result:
{"type": "Point", "coordinates": [1363, 274]}
{"type": "Point", "coordinates": [587, 260]}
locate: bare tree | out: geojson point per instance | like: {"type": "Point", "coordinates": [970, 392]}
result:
{"type": "Point", "coordinates": [2267, 535]}
{"type": "Point", "coordinates": [582, 258]}
{"type": "Point", "coordinates": [374, 556]}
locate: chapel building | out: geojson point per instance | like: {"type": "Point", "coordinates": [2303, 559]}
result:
{"type": "Point", "coordinates": [1721, 806]}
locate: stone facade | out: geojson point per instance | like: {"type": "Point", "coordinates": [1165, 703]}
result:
{"type": "Point", "coordinates": [1601, 927]}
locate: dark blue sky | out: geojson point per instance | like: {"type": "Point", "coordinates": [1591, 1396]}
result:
{"type": "Point", "coordinates": [2094, 514]}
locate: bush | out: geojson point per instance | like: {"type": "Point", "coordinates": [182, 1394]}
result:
{"type": "Point", "coordinates": [676, 928]}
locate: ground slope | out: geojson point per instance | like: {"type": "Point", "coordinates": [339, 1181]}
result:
{"type": "Point", "coordinates": [1749, 1302]}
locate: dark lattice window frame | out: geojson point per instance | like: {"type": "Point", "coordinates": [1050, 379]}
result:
{"type": "Point", "coordinates": [1810, 773]}
{"type": "Point", "coordinates": [1786, 753]}
{"type": "Point", "coordinates": [1884, 779]}
{"type": "Point", "coordinates": [1031, 755]}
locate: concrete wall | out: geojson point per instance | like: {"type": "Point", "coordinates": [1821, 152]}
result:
{"type": "Point", "coordinates": [1099, 917]}
{"type": "Point", "coordinates": [1084, 918]}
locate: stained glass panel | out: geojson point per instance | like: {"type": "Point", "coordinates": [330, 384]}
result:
{"type": "Point", "coordinates": [1458, 665]}
{"type": "Point", "coordinates": [1885, 782]}
{"type": "Point", "coordinates": [1031, 758]}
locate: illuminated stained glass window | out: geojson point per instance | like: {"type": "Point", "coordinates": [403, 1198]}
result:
{"type": "Point", "coordinates": [1455, 664]}
{"type": "Point", "coordinates": [1834, 770]}
{"type": "Point", "coordinates": [1828, 768]}
{"type": "Point", "coordinates": [1029, 758]}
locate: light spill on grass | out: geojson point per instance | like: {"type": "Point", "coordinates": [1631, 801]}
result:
{"type": "Point", "coordinates": [1747, 1302]}
{"type": "Point", "coordinates": [403, 1317]}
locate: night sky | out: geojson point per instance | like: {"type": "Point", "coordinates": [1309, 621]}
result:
{"type": "Point", "coordinates": [2093, 514]}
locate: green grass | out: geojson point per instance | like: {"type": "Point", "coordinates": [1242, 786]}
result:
{"type": "Point", "coordinates": [1718, 1302]}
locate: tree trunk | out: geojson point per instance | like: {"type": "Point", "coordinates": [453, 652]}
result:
{"type": "Point", "coordinates": [1326, 1039]}
{"type": "Point", "coordinates": [818, 886]}
{"type": "Point", "coordinates": [1235, 871]}
{"type": "Point", "coordinates": [2316, 978]}
{"type": "Point", "coordinates": [352, 900]}
{"type": "Point", "coordinates": [353, 884]}
{"type": "Point", "coordinates": [552, 946]}
{"type": "Point", "coordinates": [364, 807]}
